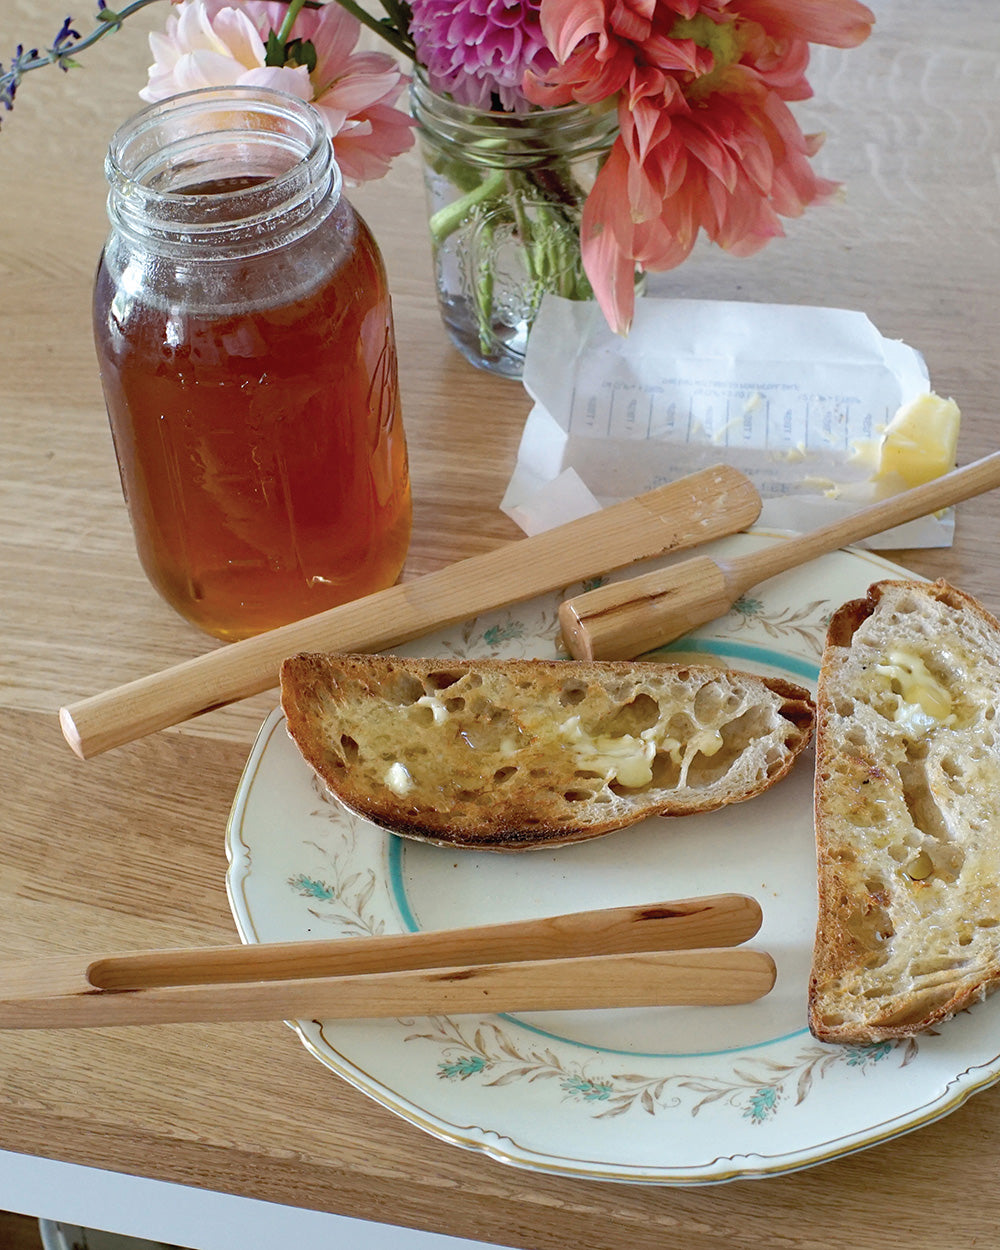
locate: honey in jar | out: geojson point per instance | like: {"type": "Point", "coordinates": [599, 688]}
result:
{"type": "Point", "coordinates": [244, 334]}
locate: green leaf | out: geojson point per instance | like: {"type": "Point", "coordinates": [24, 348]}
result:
{"type": "Point", "coordinates": [274, 51]}
{"type": "Point", "coordinates": [301, 52]}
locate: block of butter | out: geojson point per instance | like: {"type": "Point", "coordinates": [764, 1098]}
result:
{"type": "Point", "coordinates": [920, 442]}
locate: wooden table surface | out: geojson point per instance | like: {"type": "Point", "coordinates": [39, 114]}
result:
{"type": "Point", "coordinates": [126, 850]}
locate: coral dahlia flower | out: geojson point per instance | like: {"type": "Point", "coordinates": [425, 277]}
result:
{"type": "Point", "coordinates": [707, 141]}
{"type": "Point", "coordinates": [212, 43]}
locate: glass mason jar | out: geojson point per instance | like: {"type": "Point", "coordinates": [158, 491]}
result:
{"type": "Point", "coordinates": [505, 192]}
{"type": "Point", "coordinates": [245, 340]}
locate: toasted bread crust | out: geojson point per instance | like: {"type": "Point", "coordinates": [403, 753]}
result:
{"type": "Point", "coordinates": [908, 848]}
{"type": "Point", "coordinates": [513, 754]}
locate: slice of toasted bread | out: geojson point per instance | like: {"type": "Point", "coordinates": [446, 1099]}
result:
{"type": "Point", "coordinates": [511, 754]}
{"type": "Point", "coordinates": [907, 826]}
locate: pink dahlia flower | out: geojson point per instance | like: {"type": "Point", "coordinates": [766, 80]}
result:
{"type": "Point", "coordinates": [478, 51]}
{"type": "Point", "coordinates": [212, 43]}
{"type": "Point", "coordinates": [707, 141]}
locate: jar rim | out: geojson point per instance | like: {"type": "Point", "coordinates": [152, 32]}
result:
{"type": "Point", "coordinates": [499, 138]}
{"type": "Point", "coordinates": [157, 165]}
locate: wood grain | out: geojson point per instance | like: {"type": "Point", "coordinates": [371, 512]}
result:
{"type": "Point", "coordinates": [126, 851]}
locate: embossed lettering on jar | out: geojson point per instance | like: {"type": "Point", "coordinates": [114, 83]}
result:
{"type": "Point", "coordinates": [245, 339]}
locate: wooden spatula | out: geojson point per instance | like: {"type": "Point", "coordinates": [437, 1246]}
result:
{"type": "Point", "coordinates": [658, 954]}
{"type": "Point", "coordinates": [625, 619]}
{"type": "Point", "coordinates": [692, 510]}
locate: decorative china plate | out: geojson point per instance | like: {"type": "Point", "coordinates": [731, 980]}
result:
{"type": "Point", "coordinates": [675, 1096]}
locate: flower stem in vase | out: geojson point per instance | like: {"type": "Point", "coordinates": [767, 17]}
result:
{"type": "Point", "coordinates": [505, 194]}
{"type": "Point", "coordinates": [448, 219]}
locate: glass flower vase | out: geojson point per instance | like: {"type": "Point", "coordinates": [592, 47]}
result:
{"type": "Point", "coordinates": [505, 193]}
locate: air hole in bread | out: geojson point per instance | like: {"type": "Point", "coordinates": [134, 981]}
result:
{"type": "Point", "coordinates": [709, 702]}
{"type": "Point", "coordinates": [884, 928]}
{"type": "Point", "coordinates": [871, 928]}
{"type": "Point", "coordinates": [797, 715]}
{"type": "Point", "coordinates": [422, 716]}
{"type": "Point", "coordinates": [504, 774]}
{"type": "Point", "coordinates": [442, 679]}
{"type": "Point", "coordinates": [949, 861]}
{"type": "Point", "coordinates": [708, 766]}
{"type": "Point", "coordinates": [680, 727]}
{"type": "Point", "coordinates": [455, 704]}
{"type": "Point", "coordinates": [987, 922]}
{"type": "Point", "coordinates": [578, 796]}
{"type": "Point", "coordinates": [403, 689]}
{"type": "Point", "coordinates": [705, 770]}
{"type": "Point", "coordinates": [666, 772]}
{"type": "Point", "coordinates": [572, 693]}
{"type": "Point", "coordinates": [918, 795]}
{"type": "Point", "coordinates": [349, 748]}
{"type": "Point", "coordinates": [638, 714]}
{"type": "Point", "coordinates": [772, 760]}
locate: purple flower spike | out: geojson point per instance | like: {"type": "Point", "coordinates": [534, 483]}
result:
{"type": "Point", "coordinates": [477, 50]}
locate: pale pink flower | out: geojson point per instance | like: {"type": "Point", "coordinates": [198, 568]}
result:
{"type": "Point", "coordinates": [214, 47]}
{"type": "Point", "coordinates": [707, 141]}
{"type": "Point", "coordinates": [210, 43]}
